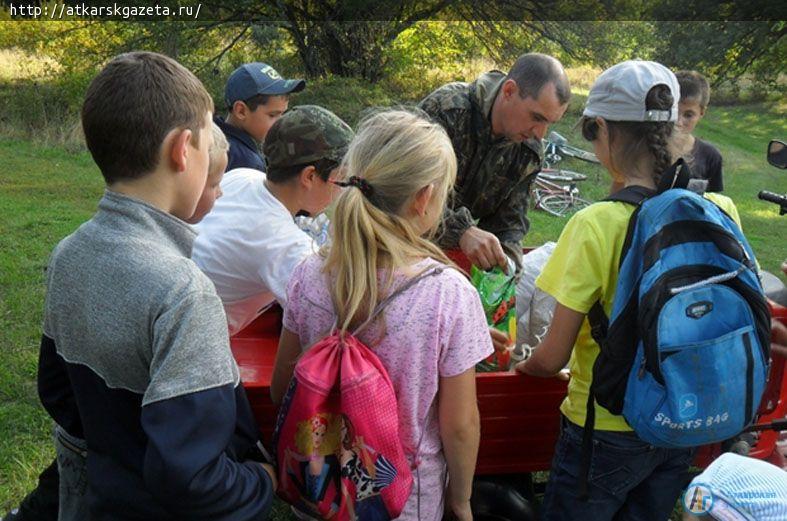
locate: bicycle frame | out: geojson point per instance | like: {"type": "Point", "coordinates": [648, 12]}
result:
{"type": "Point", "coordinates": [556, 147]}
{"type": "Point", "coordinates": [557, 199]}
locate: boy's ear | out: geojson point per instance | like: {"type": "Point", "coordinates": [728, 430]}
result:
{"type": "Point", "coordinates": [240, 110]}
{"type": "Point", "coordinates": [178, 150]}
{"type": "Point", "coordinates": [308, 176]}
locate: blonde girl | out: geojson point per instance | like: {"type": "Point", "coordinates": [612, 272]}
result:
{"type": "Point", "coordinates": [399, 170]}
{"type": "Point", "coordinates": [217, 164]}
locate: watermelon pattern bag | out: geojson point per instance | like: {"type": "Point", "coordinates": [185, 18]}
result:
{"type": "Point", "coordinates": [498, 297]}
{"type": "Point", "coordinates": [336, 439]}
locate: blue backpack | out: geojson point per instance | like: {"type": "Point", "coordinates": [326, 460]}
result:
{"type": "Point", "coordinates": [684, 355]}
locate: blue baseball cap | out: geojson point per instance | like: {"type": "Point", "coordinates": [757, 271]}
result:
{"type": "Point", "coordinates": [255, 78]}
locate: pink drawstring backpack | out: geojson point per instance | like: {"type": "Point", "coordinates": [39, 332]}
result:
{"type": "Point", "coordinates": [337, 442]}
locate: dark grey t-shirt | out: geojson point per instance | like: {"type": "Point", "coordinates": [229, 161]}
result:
{"type": "Point", "coordinates": [706, 164]}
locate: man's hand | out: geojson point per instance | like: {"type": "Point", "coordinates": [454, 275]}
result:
{"type": "Point", "coordinates": [483, 249]}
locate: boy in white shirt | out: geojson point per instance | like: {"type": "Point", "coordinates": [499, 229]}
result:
{"type": "Point", "coordinates": [249, 244]}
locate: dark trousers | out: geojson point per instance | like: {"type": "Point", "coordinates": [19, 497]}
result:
{"type": "Point", "coordinates": [629, 479]}
{"type": "Point", "coordinates": [41, 503]}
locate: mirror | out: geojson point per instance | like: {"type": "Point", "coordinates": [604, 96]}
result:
{"type": "Point", "coordinates": [777, 154]}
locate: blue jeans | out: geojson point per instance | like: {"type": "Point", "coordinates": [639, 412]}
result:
{"type": "Point", "coordinates": [628, 479]}
{"type": "Point", "coordinates": [72, 467]}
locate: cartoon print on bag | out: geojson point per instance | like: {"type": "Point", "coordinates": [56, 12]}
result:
{"type": "Point", "coordinates": [367, 472]}
{"type": "Point", "coordinates": [317, 466]}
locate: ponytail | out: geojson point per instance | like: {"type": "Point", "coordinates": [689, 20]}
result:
{"type": "Point", "coordinates": [394, 155]}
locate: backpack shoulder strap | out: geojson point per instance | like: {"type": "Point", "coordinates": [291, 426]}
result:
{"type": "Point", "coordinates": [677, 175]}
{"type": "Point", "coordinates": [633, 195]}
{"type": "Point", "coordinates": [599, 329]}
{"type": "Point", "coordinates": [599, 323]}
{"type": "Point", "coordinates": [586, 455]}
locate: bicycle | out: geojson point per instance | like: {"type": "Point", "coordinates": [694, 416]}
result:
{"type": "Point", "coordinates": [550, 196]}
{"type": "Point", "coordinates": [558, 199]}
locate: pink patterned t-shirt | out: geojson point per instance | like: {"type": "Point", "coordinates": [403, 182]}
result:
{"type": "Point", "coordinates": [434, 329]}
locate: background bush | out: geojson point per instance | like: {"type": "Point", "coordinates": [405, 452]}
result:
{"type": "Point", "coordinates": [46, 67]}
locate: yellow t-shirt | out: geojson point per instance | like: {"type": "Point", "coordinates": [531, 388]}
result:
{"type": "Point", "coordinates": [726, 204]}
{"type": "Point", "coordinates": [582, 270]}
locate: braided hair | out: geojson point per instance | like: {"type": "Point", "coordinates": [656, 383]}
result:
{"type": "Point", "coordinates": [632, 139]}
{"type": "Point", "coordinates": [657, 134]}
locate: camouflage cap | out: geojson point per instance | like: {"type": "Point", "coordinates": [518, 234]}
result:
{"type": "Point", "coordinates": [305, 134]}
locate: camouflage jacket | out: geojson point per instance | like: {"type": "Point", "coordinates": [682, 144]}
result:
{"type": "Point", "coordinates": [494, 174]}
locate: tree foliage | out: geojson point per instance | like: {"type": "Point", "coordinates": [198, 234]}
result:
{"type": "Point", "coordinates": [343, 37]}
{"type": "Point", "coordinates": [369, 40]}
{"type": "Point", "coordinates": [725, 50]}
{"type": "Point", "coordinates": [740, 37]}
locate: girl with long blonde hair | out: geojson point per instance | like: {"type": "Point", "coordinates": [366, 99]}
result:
{"type": "Point", "coordinates": [398, 171]}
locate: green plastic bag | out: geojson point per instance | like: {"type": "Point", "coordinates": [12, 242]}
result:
{"type": "Point", "coordinates": [498, 296]}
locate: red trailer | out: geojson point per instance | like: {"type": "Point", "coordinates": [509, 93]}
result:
{"type": "Point", "coordinates": [519, 418]}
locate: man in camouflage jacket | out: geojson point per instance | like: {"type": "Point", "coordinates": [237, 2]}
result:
{"type": "Point", "coordinates": [496, 124]}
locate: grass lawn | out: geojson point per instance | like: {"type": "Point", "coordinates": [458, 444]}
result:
{"type": "Point", "coordinates": [45, 193]}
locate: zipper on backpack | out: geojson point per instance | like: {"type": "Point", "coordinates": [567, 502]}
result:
{"type": "Point", "coordinates": [749, 378]}
{"type": "Point", "coordinates": [746, 259]}
{"type": "Point", "coordinates": [641, 371]}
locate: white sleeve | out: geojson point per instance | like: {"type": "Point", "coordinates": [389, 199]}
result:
{"type": "Point", "coordinates": [288, 247]}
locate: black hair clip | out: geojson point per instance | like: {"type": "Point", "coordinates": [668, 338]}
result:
{"type": "Point", "coordinates": [358, 182]}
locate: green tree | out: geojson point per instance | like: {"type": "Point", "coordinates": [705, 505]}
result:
{"type": "Point", "coordinates": [740, 37]}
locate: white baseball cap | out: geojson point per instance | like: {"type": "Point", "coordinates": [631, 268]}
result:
{"type": "Point", "coordinates": [619, 93]}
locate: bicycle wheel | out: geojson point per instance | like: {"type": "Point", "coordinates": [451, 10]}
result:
{"type": "Point", "coordinates": [578, 153]}
{"type": "Point", "coordinates": [560, 174]}
{"type": "Point", "coordinates": [559, 204]}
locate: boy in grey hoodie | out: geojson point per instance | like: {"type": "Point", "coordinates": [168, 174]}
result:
{"type": "Point", "coordinates": [135, 354]}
